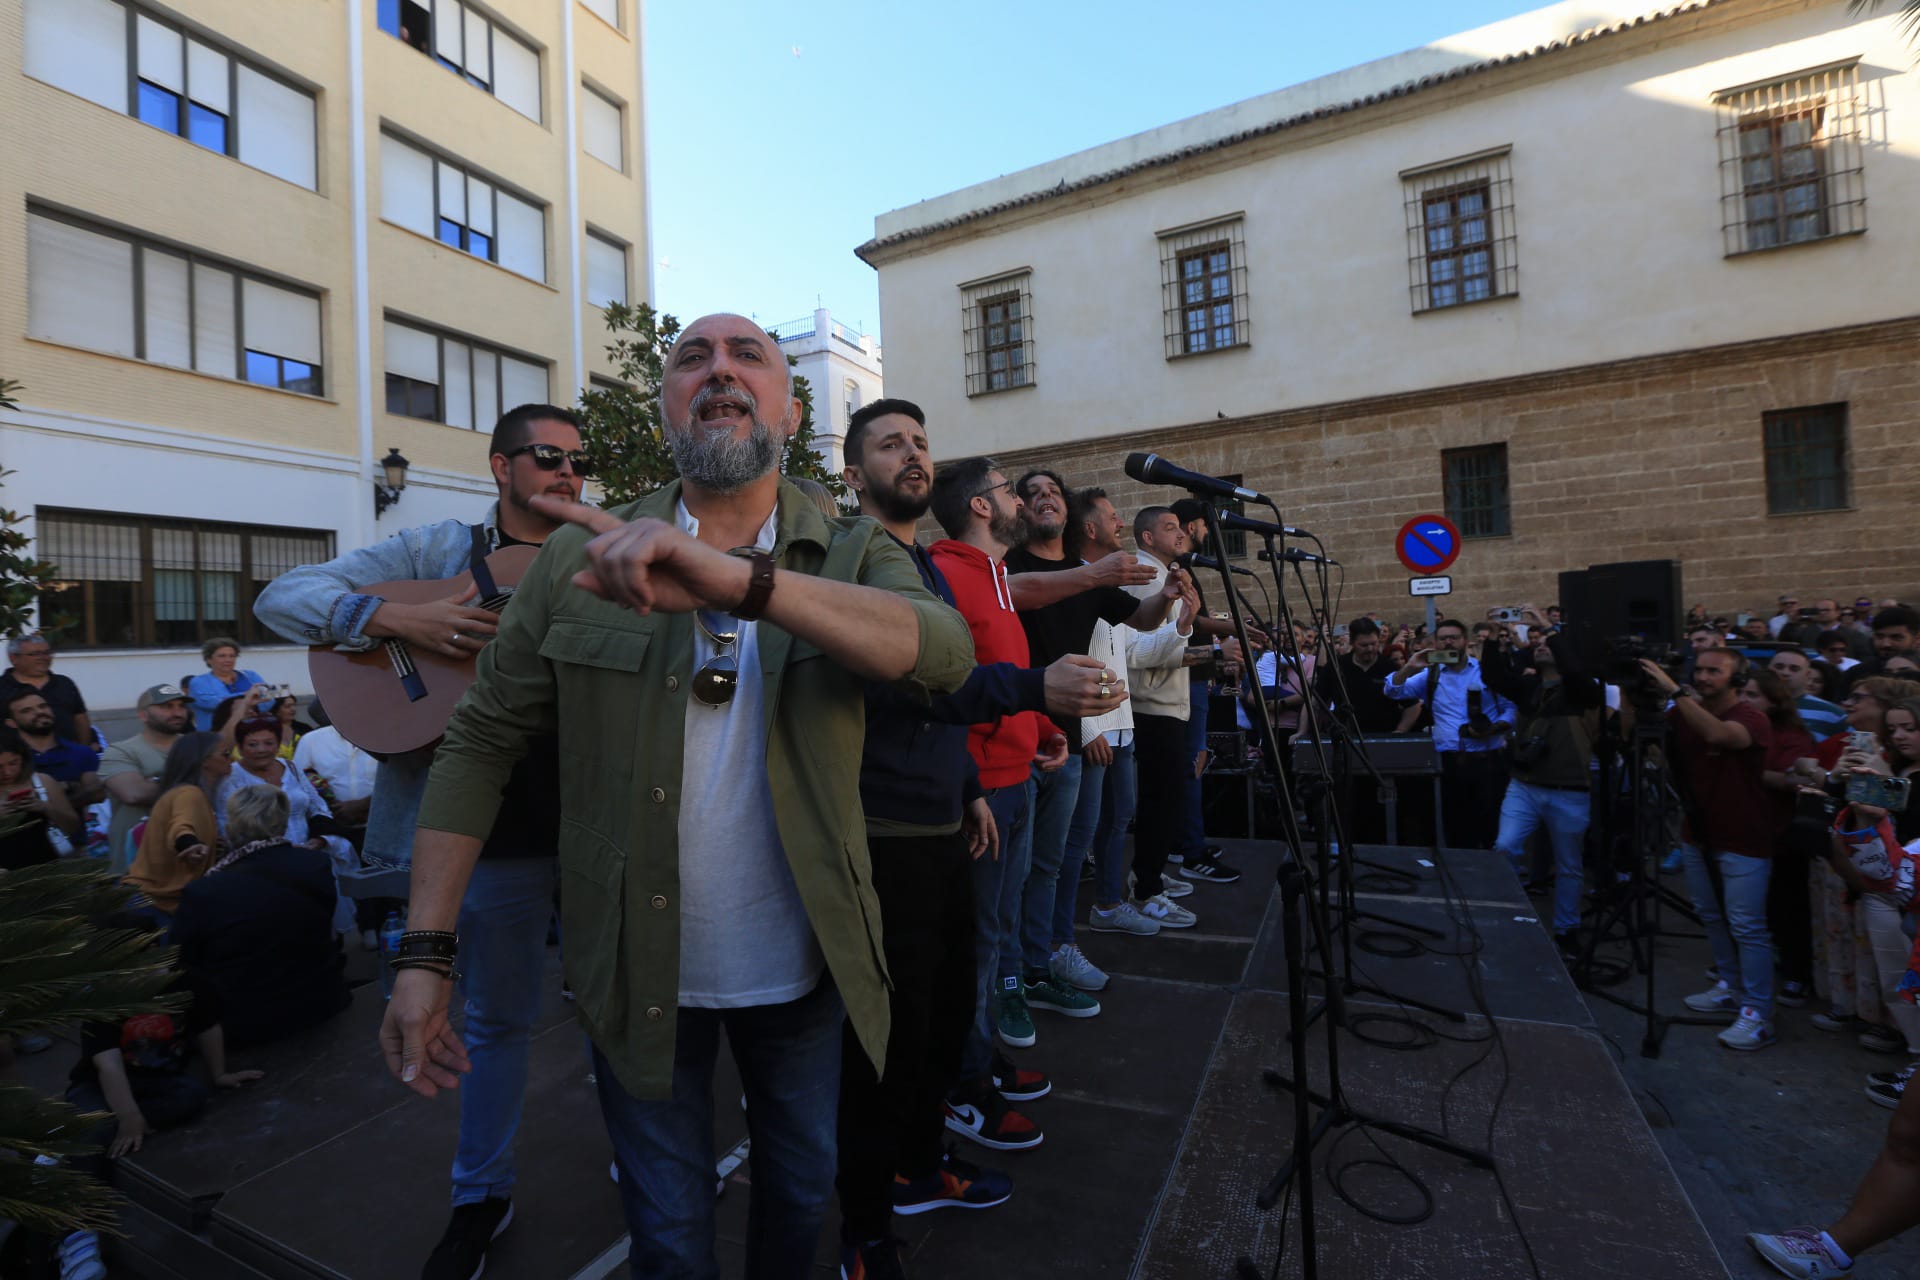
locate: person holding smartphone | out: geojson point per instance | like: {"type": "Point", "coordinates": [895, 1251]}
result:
{"type": "Point", "coordinates": [31, 805]}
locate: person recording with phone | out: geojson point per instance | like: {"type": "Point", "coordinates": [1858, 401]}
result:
{"type": "Point", "coordinates": [1470, 727]}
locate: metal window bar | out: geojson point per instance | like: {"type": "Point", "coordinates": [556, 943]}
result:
{"type": "Point", "coordinates": [997, 334]}
{"type": "Point", "coordinates": [1806, 459]}
{"type": "Point", "coordinates": [1203, 285]}
{"type": "Point", "coordinates": [1476, 490]}
{"type": "Point", "coordinates": [131, 582]}
{"type": "Point", "coordinates": [1791, 167]}
{"type": "Point", "coordinates": [1462, 236]}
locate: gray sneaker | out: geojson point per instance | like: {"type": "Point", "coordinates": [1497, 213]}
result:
{"type": "Point", "coordinates": [1072, 968]}
{"type": "Point", "coordinates": [1125, 918]}
{"type": "Point", "coordinates": [1717, 1000]}
{"type": "Point", "coordinates": [1748, 1032]}
{"type": "Point", "coordinates": [1162, 909]}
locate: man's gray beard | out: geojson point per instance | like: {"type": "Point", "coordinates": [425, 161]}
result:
{"type": "Point", "coordinates": [1043, 532]}
{"type": "Point", "coordinates": [719, 461]}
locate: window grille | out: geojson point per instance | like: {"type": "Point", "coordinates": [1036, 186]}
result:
{"type": "Point", "coordinates": [997, 320]}
{"type": "Point", "coordinates": [1790, 160]}
{"type": "Point", "coordinates": [137, 582]}
{"type": "Point", "coordinates": [1476, 490]}
{"type": "Point", "coordinates": [1461, 241]}
{"type": "Point", "coordinates": [1806, 452]}
{"type": "Point", "coordinates": [1203, 284]}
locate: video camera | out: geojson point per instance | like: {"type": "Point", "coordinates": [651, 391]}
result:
{"type": "Point", "coordinates": [1623, 655]}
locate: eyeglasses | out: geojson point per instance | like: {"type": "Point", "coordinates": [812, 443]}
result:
{"type": "Point", "coordinates": [547, 457]}
{"type": "Point", "coordinates": [995, 488]}
{"type": "Point", "coordinates": [714, 682]}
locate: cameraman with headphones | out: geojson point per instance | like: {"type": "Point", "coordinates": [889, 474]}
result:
{"type": "Point", "coordinates": [1551, 759]}
{"type": "Point", "coordinates": [1720, 742]}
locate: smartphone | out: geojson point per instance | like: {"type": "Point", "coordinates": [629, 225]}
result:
{"type": "Point", "coordinates": [1863, 740]}
{"type": "Point", "coordinates": [21, 796]}
{"type": "Point", "coordinates": [1881, 792]}
{"type": "Point", "coordinates": [1445, 657]}
{"type": "Point", "coordinates": [1504, 615]}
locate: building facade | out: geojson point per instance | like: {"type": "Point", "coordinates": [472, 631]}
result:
{"type": "Point", "coordinates": [248, 251]}
{"type": "Point", "coordinates": [1598, 283]}
{"type": "Point", "coordinates": [842, 365]}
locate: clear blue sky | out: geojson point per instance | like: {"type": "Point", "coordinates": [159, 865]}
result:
{"type": "Point", "coordinates": [780, 130]}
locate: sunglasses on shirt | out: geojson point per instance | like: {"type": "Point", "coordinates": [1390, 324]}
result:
{"type": "Point", "coordinates": [548, 456]}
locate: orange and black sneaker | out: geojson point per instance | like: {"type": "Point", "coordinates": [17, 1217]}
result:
{"type": "Point", "coordinates": [880, 1260]}
{"type": "Point", "coordinates": [956, 1184]}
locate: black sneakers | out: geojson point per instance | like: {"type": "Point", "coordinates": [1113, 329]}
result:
{"type": "Point", "coordinates": [462, 1251]}
{"type": "Point", "coordinates": [1207, 866]}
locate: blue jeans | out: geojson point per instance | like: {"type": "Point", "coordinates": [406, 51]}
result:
{"type": "Point", "coordinates": [1193, 835]}
{"type": "Point", "coordinates": [789, 1060]}
{"type": "Point", "coordinates": [1565, 815]}
{"type": "Point", "coordinates": [1086, 823]}
{"type": "Point", "coordinates": [1056, 797]}
{"type": "Point", "coordinates": [503, 948]}
{"type": "Point", "coordinates": [997, 886]}
{"type": "Point", "coordinates": [1122, 797]}
{"type": "Point", "coordinates": [1735, 916]}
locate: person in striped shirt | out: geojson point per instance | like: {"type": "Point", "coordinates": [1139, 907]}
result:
{"type": "Point", "coordinates": [1822, 718]}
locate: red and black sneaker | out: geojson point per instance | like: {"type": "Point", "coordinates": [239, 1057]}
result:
{"type": "Point", "coordinates": [1016, 1084]}
{"type": "Point", "coordinates": [975, 1111]}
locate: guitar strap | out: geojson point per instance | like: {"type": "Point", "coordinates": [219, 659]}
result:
{"type": "Point", "coordinates": [477, 564]}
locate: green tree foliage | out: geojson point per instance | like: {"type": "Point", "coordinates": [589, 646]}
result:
{"type": "Point", "coordinates": [1909, 13]}
{"type": "Point", "coordinates": [23, 579]}
{"type": "Point", "coordinates": [621, 427]}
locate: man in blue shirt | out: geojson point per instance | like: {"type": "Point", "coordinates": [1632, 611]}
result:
{"type": "Point", "coordinates": [1822, 718]}
{"type": "Point", "coordinates": [1470, 727]}
{"type": "Point", "coordinates": [71, 763]}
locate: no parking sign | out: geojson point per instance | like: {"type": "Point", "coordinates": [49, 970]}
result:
{"type": "Point", "coordinates": [1427, 545]}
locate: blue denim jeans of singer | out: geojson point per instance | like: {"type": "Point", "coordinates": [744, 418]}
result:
{"type": "Point", "coordinates": [997, 886]}
{"type": "Point", "coordinates": [1086, 821]}
{"type": "Point", "coordinates": [1056, 798]}
{"type": "Point", "coordinates": [1565, 815]}
{"type": "Point", "coordinates": [503, 950]}
{"type": "Point", "coordinates": [789, 1060]}
{"type": "Point", "coordinates": [1193, 836]}
{"type": "Point", "coordinates": [1735, 915]}
{"type": "Point", "coordinates": [1122, 796]}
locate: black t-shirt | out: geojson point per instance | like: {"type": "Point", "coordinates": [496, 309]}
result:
{"type": "Point", "coordinates": [1365, 692]}
{"type": "Point", "coordinates": [1066, 626]}
{"type": "Point", "coordinates": [62, 695]}
{"type": "Point", "coordinates": [150, 1043]}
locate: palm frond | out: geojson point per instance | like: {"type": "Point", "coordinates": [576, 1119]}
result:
{"type": "Point", "coordinates": [55, 1199]}
{"type": "Point", "coordinates": [1909, 13]}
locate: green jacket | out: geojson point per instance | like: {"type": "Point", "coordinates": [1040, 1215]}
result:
{"type": "Point", "coordinates": [613, 686]}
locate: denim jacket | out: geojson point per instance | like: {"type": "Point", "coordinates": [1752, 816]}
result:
{"type": "Point", "coordinates": [325, 604]}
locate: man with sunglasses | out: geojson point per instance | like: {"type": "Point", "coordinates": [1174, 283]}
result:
{"type": "Point", "coordinates": [703, 655]}
{"type": "Point", "coordinates": [508, 905]}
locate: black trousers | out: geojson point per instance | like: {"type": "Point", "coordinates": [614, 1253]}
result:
{"type": "Point", "coordinates": [1789, 904]}
{"type": "Point", "coordinates": [1472, 785]}
{"type": "Point", "coordinates": [893, 1123]}
{"type": "Point", "coordinates": [1164, 770]}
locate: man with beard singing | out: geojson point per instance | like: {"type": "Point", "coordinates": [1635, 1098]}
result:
{"type": "Point", "coordinates": [703, 656]}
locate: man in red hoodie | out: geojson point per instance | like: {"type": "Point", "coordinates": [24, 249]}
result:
{"type": "Point", "coordinates": [983, 517]}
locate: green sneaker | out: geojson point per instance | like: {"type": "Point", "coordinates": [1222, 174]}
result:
{"type": "Point", "coordinates": [1011, 1016]}
{"type": "Point", "coordinates": [1058, 997]}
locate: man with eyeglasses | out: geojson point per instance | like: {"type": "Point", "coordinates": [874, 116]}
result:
{"type": "Point", "coordinates": [714, 861]}
{"type": "Point", "coordinates": [32, 659]}
{"type": "Point", "coordinates": [508, 906]}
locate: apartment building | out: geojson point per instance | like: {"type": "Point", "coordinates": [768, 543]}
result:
{"type": "Point", "coordinates": [842, 366]}
{"type": "Point", "coordinates": [250, 252]}
{"type": "Point", "coordinates": [1601, 282]}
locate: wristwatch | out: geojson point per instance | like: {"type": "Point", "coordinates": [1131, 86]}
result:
{"type": "Point", "coordinates": [759, 583]}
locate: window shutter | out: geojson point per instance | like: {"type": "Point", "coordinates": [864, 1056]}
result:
{"type": "Point", "coordinates": [214, 325]}
{"type": "Point", "coordinates": [516, 75]}
{"type": "Point", "coordinates": [448, 20]}
{"type": "Point", "coordinates": [600, 128]}
{"type": "Point", "coordinates": [79, 286]}
{"type": "Point", "coordinates": [479, 206]}
{"type": "Point", "coordinates": [207, 77]}
{"type": "Point", "coordinates": [281, 322]}
{"type": "Point", "coordinates": [459, 397]}
{"type": "Point", "coordinates": [477, 59]}
{"type": "Point", "coordinates": [406, 185]}
{"type": "Point", "coordinates": [522, 241]}
{"type": "Point", "coordinates": [453, 194]}
{"type": "Point", "coordinates": [412, 353]}
{"type": "Point", "coordinates": [163, 279]}
{"type": "Point", "coordinates": [486, 388]}
{"type": "Point", "coordinates": [522, 383]}
{"type": "Point", "coordinates": [276, 128]}
{"type": "Point", "coordinates": [608, 9]}
{"type": "Point", "coordinates": [162, 56]}
{"type": "Point", "coordinates": [79, 46]}
{"type": "Point", "coordinates": [606, 271]}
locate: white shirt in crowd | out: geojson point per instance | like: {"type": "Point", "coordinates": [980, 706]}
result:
{"type": "Point", "coordinates": [349, 771]}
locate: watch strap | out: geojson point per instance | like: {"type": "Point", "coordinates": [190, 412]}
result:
{"type": "Point", "coordinates": [759, 585]}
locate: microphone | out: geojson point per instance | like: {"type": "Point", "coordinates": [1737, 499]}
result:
{"type": "Point", "coordinates": [1298, 557]}
{"type": "Point", "coordinates": [1151, 468]}
{"type": "Point", "coordinates": [1233, 520]}
{"type": "Point", "coordinates": [1208, 562]}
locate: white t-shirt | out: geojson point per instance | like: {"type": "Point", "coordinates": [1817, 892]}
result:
{"type": "Point", "coordinates": [744, 935]}
{"type": "Point", "coordinates": [349, 771]}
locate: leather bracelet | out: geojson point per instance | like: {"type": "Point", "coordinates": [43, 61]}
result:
{"type": "Point", "coordinates": [446, 971]}
{"type": "Point", "coordinates": [428, 949]}
{"type": "Point", "coordinates": [411, 934]}
{"type": "Point", "coordinates": [759, 583]}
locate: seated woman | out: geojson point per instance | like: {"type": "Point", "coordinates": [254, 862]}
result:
{"type": "Point", "coordinates": [310, 822]}
{"type": "Point", "coordinates": [257, 928]}
{"type": "Point", "coordinates": [31, 806]}
{"type": "Point", "coordinates": [182, 832]}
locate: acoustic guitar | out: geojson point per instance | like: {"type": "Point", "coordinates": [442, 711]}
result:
{"type": "Point", "coordinates": [391, 699]}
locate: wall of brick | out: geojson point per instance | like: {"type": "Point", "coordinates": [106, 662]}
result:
{"type": "Point", "coordinates": [1640, 459]}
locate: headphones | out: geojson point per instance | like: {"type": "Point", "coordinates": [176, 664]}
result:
{"type": "Point", "coordinates": [1742, 672]}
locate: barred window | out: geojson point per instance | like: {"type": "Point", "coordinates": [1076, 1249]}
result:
{"type": "Point", "coordinates": [1806, 459]}
{"type": "Point", "coordinates": [134, 582]}
{"type": "Point", "coordinates": [1231, 541]}
{"type": "Point", "coordinates": [1203, 282]}
{"type": "Point", "coordinates": [1461, 242]}
{"type": "Point", "coordinates": [1790, 160]}
{"type": "Point", "coordinates": [998, 319]}
{"type": "Point", "coordinates": [1476, 490]}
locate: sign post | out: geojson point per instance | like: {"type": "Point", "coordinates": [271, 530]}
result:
{"type": "Point", "coordinates": [1427, 546]}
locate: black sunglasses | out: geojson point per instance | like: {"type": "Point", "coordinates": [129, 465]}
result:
{"type": "Point", "coordinates": [714, 682]}
{"type": "Point", "coordinates": [547, 457]}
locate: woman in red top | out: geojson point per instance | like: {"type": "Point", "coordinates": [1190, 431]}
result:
{"type": "Point", "coordinates": [1789, 905]}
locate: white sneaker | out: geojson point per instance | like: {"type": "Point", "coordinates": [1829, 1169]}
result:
{"type": "Point", "coordinates": [1718, 1000]}
{"type": "Point", "coordinates": [1124, 918]}
{"type": "Point", "coordinates": [1170, 885]}
{"type": "Point", "coordinates": [79, 1257]}
{"type": "Point", "coordinates": [1072, 968]}
{"type": "Point", "coordinates": [1160, 909]}
{"type": "Point", "coordinates": [1799, 1253]}
{"type": "Point", "coordinates": [1748, 1031]}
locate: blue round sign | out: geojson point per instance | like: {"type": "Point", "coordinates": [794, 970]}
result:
{"type": "Point", "coordinates": [1427, 544]}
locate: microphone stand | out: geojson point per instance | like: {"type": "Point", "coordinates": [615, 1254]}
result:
{"type": "Point", "coordinates": [1301, 911]}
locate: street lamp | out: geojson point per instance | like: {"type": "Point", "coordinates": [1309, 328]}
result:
{"type": "Point", "coordinates": [394, 468]}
